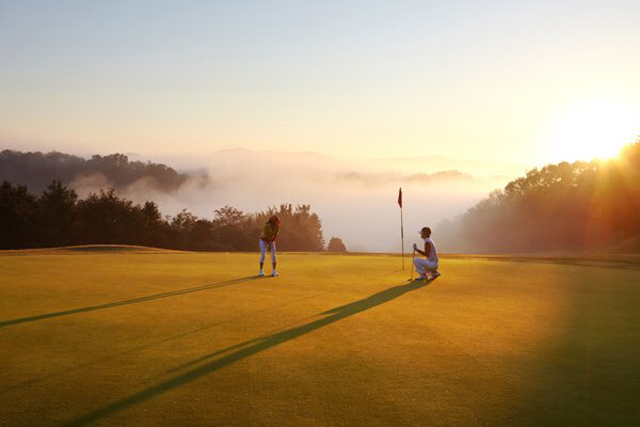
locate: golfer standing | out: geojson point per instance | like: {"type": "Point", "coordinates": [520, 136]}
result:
{"type": "Point", "coordinates": [268, 239]}
{"type": "Point", "coordinates": [430, 264]}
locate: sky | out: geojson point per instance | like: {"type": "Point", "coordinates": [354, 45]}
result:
{"type": "Point", "coordinates": [489, 88]}
{"type": "Point", "coordinates": [468, 79]}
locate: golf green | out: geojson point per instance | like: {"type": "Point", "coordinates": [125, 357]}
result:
{"type": "Point", "coordinates": [146, 338]}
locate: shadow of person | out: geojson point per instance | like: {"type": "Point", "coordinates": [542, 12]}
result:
{"type": "Point", "coordinates": [247, 349]}
{"type": "Point", "coordinates": [124, 302]}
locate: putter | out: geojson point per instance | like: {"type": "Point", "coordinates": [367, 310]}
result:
{"type": "Point", "coordinates": [412, 258]}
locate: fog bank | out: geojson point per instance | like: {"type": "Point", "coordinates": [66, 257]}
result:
{"type": "Point", "coordinates": [357, 201]}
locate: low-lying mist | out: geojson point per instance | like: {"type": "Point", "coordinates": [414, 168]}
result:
{"type": "Point", "coordinates": [356, 201]}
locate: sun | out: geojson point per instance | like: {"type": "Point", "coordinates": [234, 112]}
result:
{"type": "Point", "coordinates": [594, 129]}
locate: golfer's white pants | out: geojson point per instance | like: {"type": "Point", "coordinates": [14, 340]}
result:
{"type": "Point", "coordinates": [263, 250]}
{"type": "Point", "coordinates": [424, 265]}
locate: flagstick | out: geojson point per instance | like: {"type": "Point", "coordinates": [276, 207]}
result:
{"type": "Point", "coordinates": [402, 236]}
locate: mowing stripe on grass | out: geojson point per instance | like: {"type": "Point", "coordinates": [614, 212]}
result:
{"type": "Point", "coordinates": [125, 302]}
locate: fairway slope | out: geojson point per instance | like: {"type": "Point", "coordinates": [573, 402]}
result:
{"type": "Point", "coordinates": [625, 261]}
{"type": "Point", "coordinates": [90, 249]}
{"type": "Point", "coordinates": [114, 339]}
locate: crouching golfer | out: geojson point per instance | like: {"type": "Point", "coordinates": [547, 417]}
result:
{"type": "Point", "coordinates": [268, 239]}
{"type": "Point", "coordinates": [431, 263]}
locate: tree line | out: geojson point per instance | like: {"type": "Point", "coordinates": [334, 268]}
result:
{"type": "Point", "coordinates": [36, 170]}
{"type": "Point", "coordinates": [591, 205]}
{"type": "Point", "coordinates": [57, 217]}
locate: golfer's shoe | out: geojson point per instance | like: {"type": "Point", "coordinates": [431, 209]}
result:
{"type": "Point", "coordinates": [261, 274]}
{"type": "Point", "coordinates": [435, 275]}
{"type": "Point", "coordinates": [422, 277]}
{"type": "Point", "coordinates": [274, 274]}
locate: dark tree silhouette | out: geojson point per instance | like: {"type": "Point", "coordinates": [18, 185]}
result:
{"type": "Point", "coordinates": [58, 218]}
{"type": "Point", "coordinates": [560, 207]}
{"type": "Point", "coordinates": [336, 245]}
{"type": "Point", "coordinates": [18, 216]}
{"type": "Point", "coordinates": [155, 230]}
{"type": "Point", "coordinates": [107, 218]}
{"type": "Point", "coordinates": [180, 229]}
{"type": "Point", "coordinates": [230, 231]}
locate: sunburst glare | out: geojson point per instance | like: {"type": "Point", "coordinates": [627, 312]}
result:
{"type": "Point", "coordinates": [594, 129]}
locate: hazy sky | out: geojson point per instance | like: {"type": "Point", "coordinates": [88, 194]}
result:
{"type": "Point", "coordinates": [527, 82]}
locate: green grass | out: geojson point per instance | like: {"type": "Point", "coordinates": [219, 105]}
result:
{"type": "Point", "coordinates": [131, 339]}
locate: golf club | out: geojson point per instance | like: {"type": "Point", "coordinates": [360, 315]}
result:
{"type": "Point", "coordinates": [412, 258]}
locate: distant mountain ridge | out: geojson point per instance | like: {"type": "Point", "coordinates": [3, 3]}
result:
{"type": "Point", "coordinates": [36, 170]}
{"type": "Point", "coordinates": [318, 167]}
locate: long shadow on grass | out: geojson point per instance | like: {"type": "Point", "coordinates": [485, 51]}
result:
{"type": "Point", "coordinates": [14, 387]}
{"type": "Point", "coordinates": [247, 349]}
{"type": "Point", "coordinates": [124, 302]}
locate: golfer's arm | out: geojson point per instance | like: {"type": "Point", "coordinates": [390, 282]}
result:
{"type": "Point", "coordinates": [427, 249]}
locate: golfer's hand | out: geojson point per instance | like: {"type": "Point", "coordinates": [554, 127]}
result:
{"type": "Point", "coordinates": [415, 247]}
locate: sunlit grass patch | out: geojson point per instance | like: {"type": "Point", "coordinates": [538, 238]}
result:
{"type": "Point", "coordinates": [197, 339]}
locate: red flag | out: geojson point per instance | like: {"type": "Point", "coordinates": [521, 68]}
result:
{"type": "Point", "coordinates": [400, 198]}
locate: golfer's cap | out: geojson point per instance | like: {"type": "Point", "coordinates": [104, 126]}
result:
{"type": "Point", "coordinates": [425, 230]}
